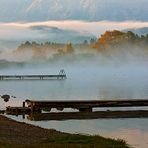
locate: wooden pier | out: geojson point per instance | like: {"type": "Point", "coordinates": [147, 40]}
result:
{"type": "Point", "coordinates": [18, 110]}
{"type": "Point", "coordinates": [34, 109]}
{"type": "Point", "coordinates": [60, 76]}
{"type": "Point", "coordinates": [84, 105]}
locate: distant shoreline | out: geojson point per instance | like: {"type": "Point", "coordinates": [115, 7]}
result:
{"type": "Point", "coordinates": [17, 134]}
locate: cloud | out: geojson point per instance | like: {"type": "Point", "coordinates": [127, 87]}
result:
{"type": "Point", "coordinates": [96, 28]}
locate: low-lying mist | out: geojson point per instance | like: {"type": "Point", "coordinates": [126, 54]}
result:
{"type": "Point", "coordinates": [79, 57]}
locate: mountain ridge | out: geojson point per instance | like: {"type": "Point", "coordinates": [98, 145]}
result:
{"type": "Point", "coordinates": [89, 10]}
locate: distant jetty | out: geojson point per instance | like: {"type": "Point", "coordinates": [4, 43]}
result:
{"type": "Point", "coordinates": [60, 76]}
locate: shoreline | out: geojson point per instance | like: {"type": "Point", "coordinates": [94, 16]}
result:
{"type": "Point", "coordinates": [18, 134]}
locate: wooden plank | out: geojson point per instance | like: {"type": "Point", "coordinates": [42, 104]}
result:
{"type": "Point", "coordinates": [87, 104]}
{"type": "Point", "coordinates": [26, 77]}
{"type": "Point", "coordinates": [17, 110]}
{"type": "Point", "coordinates": [61, 76]}
{"type": "Point", "coordinates": [84, 105]}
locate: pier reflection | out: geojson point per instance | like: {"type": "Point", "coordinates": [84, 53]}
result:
{"type": "Point", "coordinates": [87, 115]}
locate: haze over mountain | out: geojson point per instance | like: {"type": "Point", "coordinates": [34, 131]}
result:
{"type": "Point", "coordinates": [55, 34]}
{"type": "Point", "coordinates": [39, 33]}
{"type": "Point", "coordinates": [139, 31]}
{"type": "Point", "coordinates": [89, 10]}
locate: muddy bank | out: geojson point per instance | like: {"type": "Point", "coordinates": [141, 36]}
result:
{"type": "Point", "coordinates": [22, 133]}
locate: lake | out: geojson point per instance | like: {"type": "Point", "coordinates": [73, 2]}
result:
{"type": "Point", "coordinates": [85, 83]}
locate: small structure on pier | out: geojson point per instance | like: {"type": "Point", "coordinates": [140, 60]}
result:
{"type": "Point", "coordinates": [60, 76]}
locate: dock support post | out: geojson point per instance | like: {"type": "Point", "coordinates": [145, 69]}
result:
{"type": "Point", "coordinates": [23, 104]}
{"type": "Point", "coordinates": [23, 116]}
{"type": "Point", "coordinates": [32, 108]}
{"type": "Point", "coordinates": [86, 109]}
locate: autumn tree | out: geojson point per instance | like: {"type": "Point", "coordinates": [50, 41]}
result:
{"type": "Point", "coordinates": [69, 48]}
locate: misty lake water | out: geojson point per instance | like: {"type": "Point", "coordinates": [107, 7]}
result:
{"type": "Point", "coordinates": [85, 83]}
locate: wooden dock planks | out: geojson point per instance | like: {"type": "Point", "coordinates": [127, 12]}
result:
{"type": "Point", "coordinates": [85, 107]}
{"type": "Point", "coordinates": [31, 77]}
{"type": "Point", "coordinates": [18, 110]}
{"type": "Point", "coordinates": [82, 105]}
{"type": "Point", "coordinates": [60, 76]}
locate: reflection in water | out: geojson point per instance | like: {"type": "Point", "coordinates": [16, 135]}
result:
{"type": "Point", "coordinates": [136, 137]}
{"type": "Point", "coordinates": [87, 115]}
